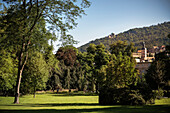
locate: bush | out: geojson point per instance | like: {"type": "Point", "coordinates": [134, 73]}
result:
{"type": "Point", "coordinates": [132, 98]}
{"type": "Point", "coordinates": [121, 96]}
{"type": "Point", "coordinates": [126, 96]}
{"type": "Point", "coordinates": [167, 93]}
{"type": "Point", "coordinates": [147, 93]}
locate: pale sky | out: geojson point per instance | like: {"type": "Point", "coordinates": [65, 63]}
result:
{"type": "Point", "coordinates": [114, 16]}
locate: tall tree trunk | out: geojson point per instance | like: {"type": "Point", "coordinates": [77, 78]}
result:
{"type": "Point", "coordinates": [16, 101]}
{"type": "Point", "coordinates": [21, 65]}
{"type": "Point", "coordinates": [25, 46]}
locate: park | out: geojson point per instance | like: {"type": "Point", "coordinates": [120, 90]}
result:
{"type": "Point", "coordinates": [43, 70]}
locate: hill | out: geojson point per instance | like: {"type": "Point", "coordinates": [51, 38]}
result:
{"type": "Point", "coordinates": [155, 35]}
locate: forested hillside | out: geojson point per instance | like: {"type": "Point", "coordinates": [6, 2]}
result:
{"type": "Point", "coordinates": [153, 35]}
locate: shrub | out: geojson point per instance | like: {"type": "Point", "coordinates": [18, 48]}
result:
{"type": "Point", "coordinates": [167, 93]}
{"type": "Point", "coordinates": [147, 93]}
{"type": "Point", "coordinates": [121, 96]}
{"type": "Point", "coordinates": [126, 96]}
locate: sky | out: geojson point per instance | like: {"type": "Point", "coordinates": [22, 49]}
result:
{"type": "Point", "coordinates": [115, 16]}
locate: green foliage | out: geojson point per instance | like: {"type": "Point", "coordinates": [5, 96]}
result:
{"type": "Point", "coordinates": [52, 62]}
{"type": "Point", "coordinates": [35, 75]}
{"type": "Point", "coordinates": [120, 73]}
{"type": "Point", "coordinates": [119, 46]}
{"type": "Point", "coordinates": [84, 71]}
{"type": "Point", "coordinates": [101, 60]}
{"type": "Point", "coordinates": [67, 79]}
{"type": "Point", "coordinates": [121, 70]}
{"type": "Point", "coordinates": [101, 56]}
{"type": "Point", "coordinates": [8, 72]}
{"type": "Point", "coordinates": [155, 75]}
{"type": "Point", "coordinates": [147, 93]}
{"type": "Point", "coordinates": [153, 36]}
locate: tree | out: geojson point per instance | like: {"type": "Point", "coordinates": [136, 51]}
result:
{"type": "Point", "coordinates": [82, 72]}
{"type": "Point", "coordinates": [155, 75]}
{"type": "Point", "coordinates": [68, 61]}
{"type": "Point", "coordinates": [101, 60]}
{"type": "Point", "coordinates": [22, 16]}
{"type": "Point", "coordinates": [53, 66]}
{"type": "Point", "coordinates": [91, 51]}
{"type": "Point", "coordinates": [36, 73]}
{"type": "Point", "coordinates": [67, 79]}
{"type": "Point", "coordinates": [8, 70]}
{"type": "Point", "coordinates": [67, 54]}
{"type": "Point", "coordinates": [123, 47]}
{"type": "Point", "coordinates": [121, 70]}
{"type": "Point", "coordinates": [120, 73]}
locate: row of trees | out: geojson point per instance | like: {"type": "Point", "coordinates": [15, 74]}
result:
{"type": "Point", "coordinates": [69, 68]}
{"type": "Point", "coordinates": [95, 70]}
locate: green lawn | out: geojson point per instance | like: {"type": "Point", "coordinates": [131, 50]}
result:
{"type": "Point", "coordinates": [74, 103]}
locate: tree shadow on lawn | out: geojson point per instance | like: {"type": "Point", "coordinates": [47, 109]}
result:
{"type": "Point", "coordinates": [74, 94]}
{"type": "Point", "coordinates": [114, 109]}
{"type": "Point", "coordinates": [53, 104]}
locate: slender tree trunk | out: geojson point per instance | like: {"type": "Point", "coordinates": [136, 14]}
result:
{"type": "Point", "coordinates": [16, 101]}
{"type": "Point", "coordinates": [93, 85]}
{"type": "Point", "coordinates": [21, 65]}
{"type": "Point", "coordinates": [34, 91]}
{"type": "Point", "coordinates": [97, 87]}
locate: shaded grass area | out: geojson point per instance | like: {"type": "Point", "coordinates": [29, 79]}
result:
{"type": "Point", "coordinates": [114, 109]}
{"type": "Point", "coordinates": [74, 103]}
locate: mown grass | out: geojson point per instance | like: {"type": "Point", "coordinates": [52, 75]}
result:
{"type": "Point", "coordinates": [74, 103]}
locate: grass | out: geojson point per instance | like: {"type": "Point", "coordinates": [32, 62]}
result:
{"type": "Point", "coordinates": [74, 103]}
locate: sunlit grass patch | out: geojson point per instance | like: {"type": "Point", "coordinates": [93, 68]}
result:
{"type": "Point", "coordinates": [74, 103]}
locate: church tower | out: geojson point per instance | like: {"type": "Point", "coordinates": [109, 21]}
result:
{"type": "Point", "coordinates": [145, 50]}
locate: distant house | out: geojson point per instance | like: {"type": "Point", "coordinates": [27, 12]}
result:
{"type": "Point", "coordinates": [112, 35]}
{"type": "Point", "coordinates": [147, 55]}
{"type": "Point", "coordinates": [144, 57]}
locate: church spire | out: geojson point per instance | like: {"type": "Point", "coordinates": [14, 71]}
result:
{"type": "Point", "coordinates": [144, 44]}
